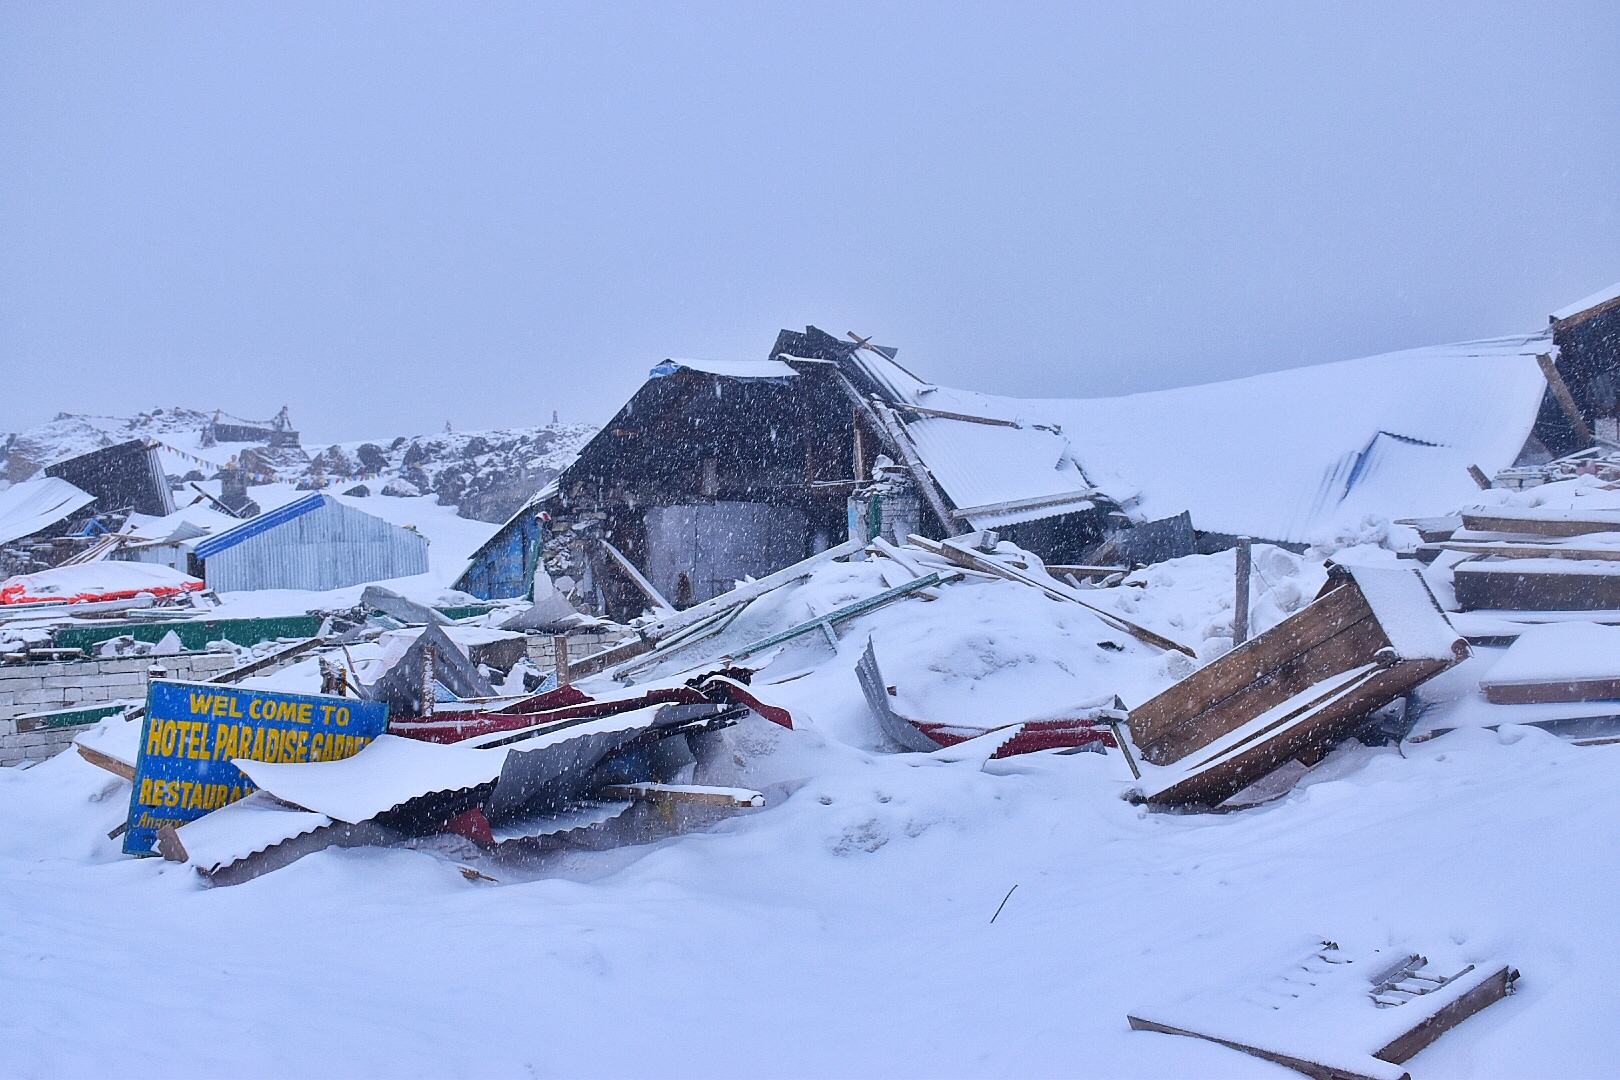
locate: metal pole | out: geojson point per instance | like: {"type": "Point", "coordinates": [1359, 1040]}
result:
{"type": "Point", "coordinates": [1240, 603]}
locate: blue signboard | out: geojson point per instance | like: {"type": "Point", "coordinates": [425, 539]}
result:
{"type": "Point", "coordinates": [194, 730]}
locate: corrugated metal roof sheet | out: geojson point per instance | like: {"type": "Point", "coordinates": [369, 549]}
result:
{"type": "Point", "coordinates": [263, 523]}
{"type": "Point", "coordinates": [32, 505]}
{"type": "Point", "coordinates": [1283, 456]}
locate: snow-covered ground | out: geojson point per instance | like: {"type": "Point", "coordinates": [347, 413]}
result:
{"type": "Point", "coordinates": [846, 928]}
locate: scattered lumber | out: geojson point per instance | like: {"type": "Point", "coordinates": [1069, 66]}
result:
{"type": "Point", "coordinates": [1369, 637]}
{"type": "Point", "coordinates": [965, 556]}
{"type": "Point", "coordinates": [1333, 1013]}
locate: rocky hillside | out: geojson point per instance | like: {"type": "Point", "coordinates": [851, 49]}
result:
{"type": "Point", "coordinates": [487, 475]}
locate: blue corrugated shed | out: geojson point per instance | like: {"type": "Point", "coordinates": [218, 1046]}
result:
{"type": "Point", "coordinates": [502, 568]}
{"type": "Point", "coordinates": [314, 543]}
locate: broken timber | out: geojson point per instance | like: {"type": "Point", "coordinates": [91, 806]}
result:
{"type": "Point", "coordinates": [732, 798]}
{"type": "Point", "coordinates": [972, 560]}
{"type": "Point", "coordinates": [1371, 635]}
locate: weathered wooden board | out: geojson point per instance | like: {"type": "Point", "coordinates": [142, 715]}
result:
{"type": "Point", "coordinates": [1540, 522]}
{"type": "Point", "coordinates": [1501, 587]}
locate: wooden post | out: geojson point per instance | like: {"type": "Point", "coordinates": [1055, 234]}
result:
{"type": "Point", "coordinates": [428, 678]}
{"type": "Point", "coordinates": [1240, 603]}
{"type": "Point", "coordinates": [860, 448]}
{"type": "Point", "coordinates": [1566, 400]}
{"type": "Point", "coordinates": [559, 649]}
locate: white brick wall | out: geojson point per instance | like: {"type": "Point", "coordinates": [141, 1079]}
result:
{"type": "Point", "coordinates": [26, 688]}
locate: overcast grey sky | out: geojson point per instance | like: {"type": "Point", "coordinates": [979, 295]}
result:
{"type": "Point", "coordinates": [392, 215]}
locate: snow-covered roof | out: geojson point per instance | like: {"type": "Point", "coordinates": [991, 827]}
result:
{"type": "Point", "coordinates": [32, 505]}
{"type": "Point", "coordinates": [731, 369]}
{"type": "Point", "coordinates": [1281, 456]}
{"type": "Point", "coordinates": [1603, 296]}
{"type": "Point", "coordinates": [263, 523]}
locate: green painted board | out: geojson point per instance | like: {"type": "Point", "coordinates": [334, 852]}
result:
{"type": "Point", "coordinates": [465, 612]}
{"type": "Point", "coordinates": [71, 717]}
{"type": "Point", "coordinates": [194, 634]}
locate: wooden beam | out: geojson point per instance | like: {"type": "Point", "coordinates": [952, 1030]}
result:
{"type": "Point", "coordinates": [661, 605]}
{"type": "Point", "coordinates": [105, 761]}
{"type": "Point", "coordinates": [919, 472]}
{"type": "Point", "coordinates": [1016, 505]}
{"type": "Point", "coordinates": [1405, 1046]}
{"type": "Point", "coordinates": [1183, 703]}
{"type": "Point", "coordinates": [1566, 401]}
{"type": "Point", "coordinates": [906, 407]}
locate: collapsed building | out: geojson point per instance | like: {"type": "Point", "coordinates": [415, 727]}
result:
{"type": "Point", "coordinates": [715, 471]}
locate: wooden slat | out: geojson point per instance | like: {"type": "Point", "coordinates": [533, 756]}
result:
{"type": "Point", "coordinates": [1534, 551]}
{"type": "Point", "coordinates": [1314, 1069]}
{"type": "Point", "coordinates": [1543, 693]}
{"type": "Point", "coordinates": [1506, 521]}
{"type": "Point", "coordinates": [596, 662]}
{"type": "Point", "coordinates": [1324, 617]}
{"type": "Point", "coordinates": [1501, 587]}
{"type": "Point", "coordinates": [1566, 400]}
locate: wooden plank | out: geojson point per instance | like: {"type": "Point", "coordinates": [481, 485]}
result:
{"type": "Point", "coordinates": [1328, 615]}
{"type": "Point", "coordinates": [1314, 1069]}
{"type": "Point", "coordinates": [1485, 587]}
{"type": "Point", "coordinates": [1555, 382]}
{"type": "Point", "coordinates": [1406, 1046]}
{"type": "Point", "coordinates": [943, 415]}
{"type": "Point", "coordinates": [105, 761]}
{"type": "Point", "coordinates": [1015, 505]}
{"type": "Point", "coordinates": [1351, 647]}
{"type": "Point", "coordinates": [1534, 551]}
{"type": "Point", "coordinates": [1082, 570]}
{"type": "Point", "coordinates": [919, 472]}
{"type": "Point", "coordinates": [638, 579]}
{"type": "Point", "coordinates": [1543, 693]}
{"type": "Point", "coordinates": [596, 662]}
{"type": "Point", "coordinates": [1543, 523]}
